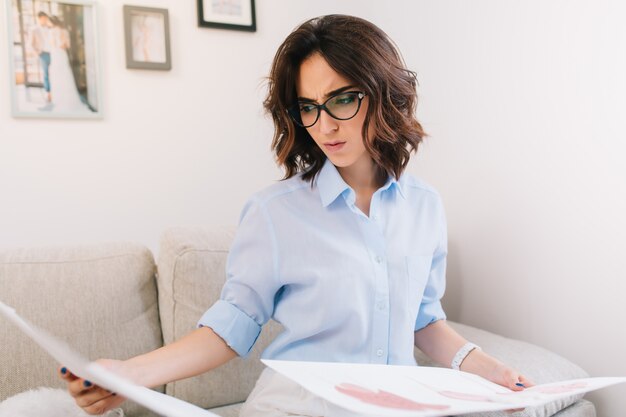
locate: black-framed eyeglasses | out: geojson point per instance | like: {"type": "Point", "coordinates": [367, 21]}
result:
{"type": "Point", "coordinates": [341, 106]}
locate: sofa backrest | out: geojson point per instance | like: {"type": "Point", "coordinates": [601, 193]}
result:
{"type": "Point", "coordinates": [191, 273]}
{"type": "Point", "coordinates": [100, 299]}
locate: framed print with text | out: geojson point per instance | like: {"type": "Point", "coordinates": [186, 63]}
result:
{"type": "Point", "coordinates": [227, 14]}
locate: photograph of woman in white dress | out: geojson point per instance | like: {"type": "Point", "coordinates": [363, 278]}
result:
{"type": "Point", "coordinates": [63, 90]}
{"type": "Point", "coordinates": [54, 70]}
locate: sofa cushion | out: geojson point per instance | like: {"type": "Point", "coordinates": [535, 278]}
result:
{"type": "Point", "coordinates": [230, 410]}
{"type": "Point", "coordinates": [581, 408]}
{"type": "Point", "coordinates": [100, 299]}
{"type": "Point", "coordinates": [191, 273]}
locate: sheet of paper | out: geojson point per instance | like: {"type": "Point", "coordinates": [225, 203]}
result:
{"type": "Point", "coordinates": [417, 391]}
{"type": "Point", "coordinates": [159, 403]}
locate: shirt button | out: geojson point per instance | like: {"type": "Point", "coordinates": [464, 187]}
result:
{"type": "Point", "coordinates": [378, 259]}
{"type": "Point", "coordinates": [379, 352]}
{"type": "Point", "coordinates": [375, 217]}
{"type": "Point", "coordinates": [381, 305]}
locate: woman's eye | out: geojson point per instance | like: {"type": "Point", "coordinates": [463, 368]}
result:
{"type": "Point", "coordinates": [344, 99]}
{"type": "Point", "coordinates": [306, 108]}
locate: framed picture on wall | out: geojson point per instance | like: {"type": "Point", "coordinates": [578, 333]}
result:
{"type": "Point", "coordinates": [227, 14]}
{"type": "Point", "coordinates": [147, 38]}
{"type": "Point", "coordinates": [54, 65]}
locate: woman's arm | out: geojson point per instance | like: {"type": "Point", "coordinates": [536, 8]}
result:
{"type": "Point", "coordinates": [441, 343]}
{"type": "Point", "coordinates": [198, 352]}
{"type": "Point", "coordinates": [194, 354]}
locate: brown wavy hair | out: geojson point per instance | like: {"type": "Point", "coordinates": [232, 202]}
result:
{"type": "Point", "coordinates": [364, 54]}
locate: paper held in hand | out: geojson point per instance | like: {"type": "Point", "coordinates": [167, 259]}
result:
{"type": "Point", "coordinates": [412, 391]}
{"type": "Point", "coordinates": [159, 403]}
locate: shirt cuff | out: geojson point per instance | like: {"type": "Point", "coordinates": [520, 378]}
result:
{"type": "Point", "coordinates": [429, 313]}
{"type": "Point", "coordinates": [238, 330]}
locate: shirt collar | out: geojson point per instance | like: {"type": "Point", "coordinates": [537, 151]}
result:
{"type": "Point", "coordinates": [399, 184]}
{"type": "Point", "coordinates": [331, 185]}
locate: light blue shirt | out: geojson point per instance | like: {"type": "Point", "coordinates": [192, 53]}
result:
{"type": "Point", "coordinates": [346, 287]}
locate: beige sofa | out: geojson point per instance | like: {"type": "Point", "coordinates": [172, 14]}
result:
{"type": "Point", "coordinates": [112, 300]}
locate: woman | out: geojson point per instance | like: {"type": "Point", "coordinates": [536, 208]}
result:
{"type": "Point", "coordinates": [348, 253]}
{"type": "Point", "coordinates": [63, 91]}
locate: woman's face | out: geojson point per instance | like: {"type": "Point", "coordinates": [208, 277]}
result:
{"type": "Point", "coordinates": [340, 140]}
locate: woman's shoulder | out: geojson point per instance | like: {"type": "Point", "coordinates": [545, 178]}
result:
{"type": "Point", "coordinates": [419, 193]}
{"type": "Point", "coordinates": [411, 183]}
{"type": "Point", "coordinates": [281, 189]}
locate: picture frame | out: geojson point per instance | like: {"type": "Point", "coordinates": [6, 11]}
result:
{"type": "Point", "coordinates": [54, 59]}
{"type": "Point", "coordinates": [147, 38]}
{"type": "Point", "coordinates": [227, 14]}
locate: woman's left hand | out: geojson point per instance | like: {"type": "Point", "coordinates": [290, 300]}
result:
{"type": "Point", "coordinates": [480, 363]}
{"type": "Point", "coordinates": [508, 377]}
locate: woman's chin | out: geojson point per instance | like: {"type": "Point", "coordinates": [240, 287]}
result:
{"type": "Point", "coordinates": [339, 162]}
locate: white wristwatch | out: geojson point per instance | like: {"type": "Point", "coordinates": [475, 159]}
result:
{"type": "Point", "coordinates": [462, 354]}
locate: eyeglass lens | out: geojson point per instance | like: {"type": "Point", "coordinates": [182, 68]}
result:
{"type": "Point", "coordinates": [342, 106]}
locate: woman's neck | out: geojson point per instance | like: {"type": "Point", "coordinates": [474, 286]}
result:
{"type": "Point", "coordinates": [363, 176]}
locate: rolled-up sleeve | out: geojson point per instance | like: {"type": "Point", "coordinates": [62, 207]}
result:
{"type": "Point", "coordinates": [247, 299]}
{"type": "Point", "coordinates": [430, 309]}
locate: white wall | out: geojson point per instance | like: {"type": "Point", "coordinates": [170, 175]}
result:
{"type": "Point", "coordinates": [524, 102]}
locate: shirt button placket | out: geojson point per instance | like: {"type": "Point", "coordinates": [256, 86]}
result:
{"type": "Point", "coordinates": [375, 241]}
{"type": "Point", "coordinates": [381, 312]}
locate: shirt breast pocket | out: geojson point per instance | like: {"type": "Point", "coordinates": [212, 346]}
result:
{"type": "Point", "coordinates": [418, 271]}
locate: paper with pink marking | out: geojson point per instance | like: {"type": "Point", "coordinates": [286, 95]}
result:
{"type": "Point", "coordinates": [161, 404]}
{"type": "Point", "coordinates": [412, 391]}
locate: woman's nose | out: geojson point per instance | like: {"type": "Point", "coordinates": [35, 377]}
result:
{"type": "Point", "coordinates": [327, 123]}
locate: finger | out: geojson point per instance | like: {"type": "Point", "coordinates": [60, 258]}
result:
{"type": "Point", "coordinates": [103, 405]}
{"type": "Point", "coordinates": [92, 397]}
{"type": "Point", "coordinates": [66, 374]}
{"type": "Point", "coordinates": [527, 382]}
{"type": "Point", "coordinates": [515, 384]}
{"type": "Point", "coordinates": [79, 387]}
{"type": "Point", "coordinates": [521, 382]}
{"type": "Point", "coordinates": [518, 386]}
{"type": "Point", "coordinates": [511, 380]}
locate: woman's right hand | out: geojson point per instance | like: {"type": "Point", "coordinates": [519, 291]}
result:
{"type": "Point", "coordinates": [91, 398]}
{"type": "Point", "coordinates": [196, 353]}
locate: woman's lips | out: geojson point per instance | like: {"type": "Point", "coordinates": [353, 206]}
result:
{"type": "Point", "coordinates": [334, 146]}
